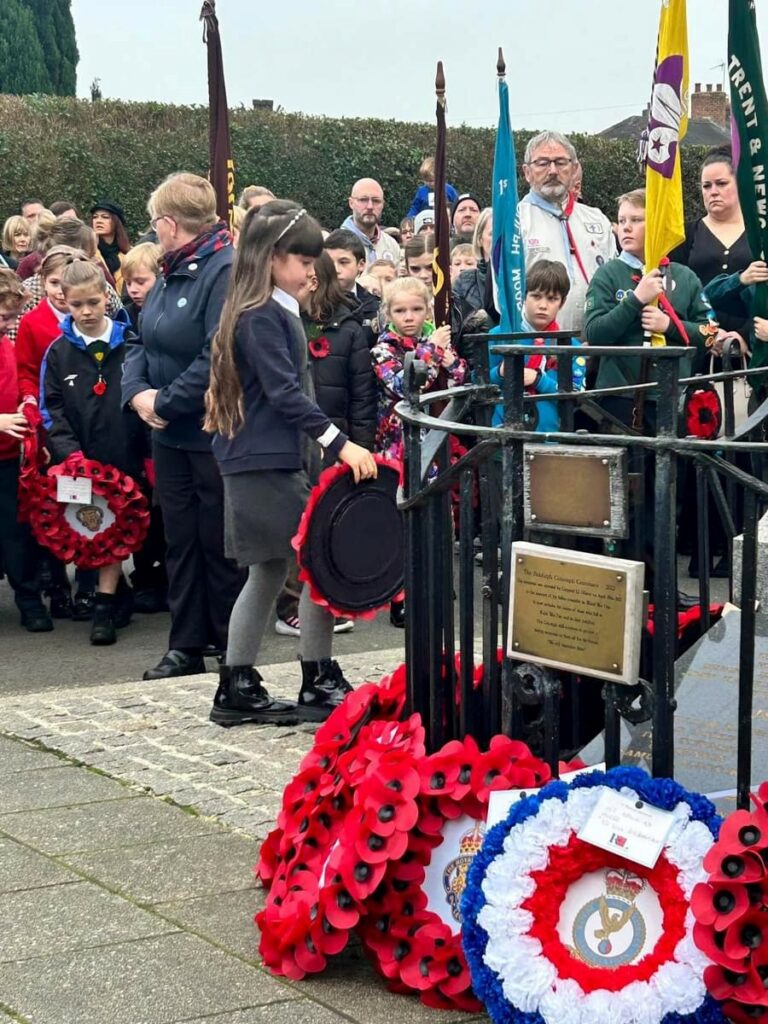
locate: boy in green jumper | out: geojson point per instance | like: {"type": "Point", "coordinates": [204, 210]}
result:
{"type": "Point", "coordinates": [618, 308]}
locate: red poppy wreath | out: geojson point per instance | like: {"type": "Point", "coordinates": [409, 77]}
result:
{"type": "Point", "coordinates": [311, 907]}
{"type": "Point", "coordinates": [412, 928]}
{"type": "Point", "coordinates": [107, 529]}
{"type": "Point", "coordinates": [349, 544]}
{"type": "Point", "coordinates": [731, 911]}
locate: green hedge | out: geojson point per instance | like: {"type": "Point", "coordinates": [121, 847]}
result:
{"type": "Point", "coordinates": [84, 151]}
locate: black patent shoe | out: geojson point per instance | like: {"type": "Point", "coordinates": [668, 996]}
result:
{"type": "Point", "coordinates": [176, 663]}
{"type": "Point", "coordinates": [323, 689]}
{"type": "Point", "coordinates": [242, 698]}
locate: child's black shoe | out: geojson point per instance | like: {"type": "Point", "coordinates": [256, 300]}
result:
{"type": "Point", "coordinates": [242, 698]}
{"type": "Point", "coordinates": [60, 604]}
{"type": "Point", "coordinates": [323, 688]}
{"type": "Point", "coordinates": [103, 624]}
{"type": "Point", "coordinates": [82, 606]}
{"type": "Point", "coordinates": [35, 618]}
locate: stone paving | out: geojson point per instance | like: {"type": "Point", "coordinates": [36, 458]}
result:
{"type": "Point", "coordinates": [157, 736]}
{"type": "Point", "coordinates": [119, 907]}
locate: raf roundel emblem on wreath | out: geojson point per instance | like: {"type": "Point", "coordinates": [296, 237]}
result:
{"type": "Point", "coordinates": [611, 930]}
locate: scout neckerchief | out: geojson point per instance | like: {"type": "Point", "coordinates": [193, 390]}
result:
{"type": "Point", "coordinates": [569, 242]}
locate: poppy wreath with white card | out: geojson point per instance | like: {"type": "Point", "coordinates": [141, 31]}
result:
{"type": "Point", "coordinates": [104, 529]}
{"type": "Point", "coordinates": [560, 931]}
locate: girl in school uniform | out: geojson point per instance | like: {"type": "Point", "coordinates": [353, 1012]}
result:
{"type": "Point", "coordinates": [268, 438]}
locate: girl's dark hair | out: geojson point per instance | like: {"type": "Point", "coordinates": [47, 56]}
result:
{"type": "Point", "coordinates": [278, 228]}
{"type": "Point", "coordinates": [328, 296]}
{"type": "Point", "coordinates": [719, 155]}
{"type": "Point", "coordinates": [418, 245]}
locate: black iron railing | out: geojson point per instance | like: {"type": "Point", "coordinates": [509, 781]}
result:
{"type": "Point", "coordinates": [450, 612]}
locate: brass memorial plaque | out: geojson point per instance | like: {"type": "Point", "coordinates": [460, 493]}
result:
{"type": "Point", "coordinates": [580, 490]}
{"type": "Point", "coordinates": [575, 615]}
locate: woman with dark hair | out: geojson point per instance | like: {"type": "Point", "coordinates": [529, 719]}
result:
{"type": "Point", "coordinates": [714, 244]}
{"type": "Point", "coordinates": [165, 380]}
{"type": "Point", "coordinates": [717, 242]}
{"type": "Point", "coordinates": [108, 221]}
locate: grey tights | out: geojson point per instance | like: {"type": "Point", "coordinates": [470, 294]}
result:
{"type": "Point", "coordinates": [252, 610]}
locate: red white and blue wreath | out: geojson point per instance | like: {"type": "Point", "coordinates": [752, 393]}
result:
{"type": "Point", "coordinates": [557, 931]}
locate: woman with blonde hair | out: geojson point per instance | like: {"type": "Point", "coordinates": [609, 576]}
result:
{"type": "Point", "coordinates": [17, 239]}
{"type": "Point", "coordinates": [165, 381]}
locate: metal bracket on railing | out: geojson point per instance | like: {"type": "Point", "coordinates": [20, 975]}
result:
{"type": "Point", "coordinates": [633, 703]}
{"type": "Point", "coordinates": [414, 379]}
{"type": "Point", "coordinates": [535, 686]}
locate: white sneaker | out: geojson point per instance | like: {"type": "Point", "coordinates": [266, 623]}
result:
{"type": "Point", "coordinates": [344, 626]}
{"type": "Point", "coordinates": [288, 627]}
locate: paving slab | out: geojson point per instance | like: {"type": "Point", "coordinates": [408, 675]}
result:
{"type": "Point", "coordinates": [350, 986]}
{"type": "Point", "coordinates": [104, 826]}
{"type": "Point", "coordinates": [18, 757]}
{"type": "Point", "coordinates": [172, 870]}
{"type": "Point", "coordinates": [161, 980]}
{"type": "Point", "coordinates": [68, 917]}
{"type": "Point", "coordinates": [21, 869]}
{"type": "Point", "coordinates": [57, 787]}
{"type": "Point", "coordinates": [226, 920]}
{"type": "Point", "coordinates": [300, 1011]}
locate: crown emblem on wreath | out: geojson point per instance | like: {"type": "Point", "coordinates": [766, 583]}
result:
{"type": "Point", "coordinates": [622, 883]}
{"type": "Point", "coordinates": [471, 841]}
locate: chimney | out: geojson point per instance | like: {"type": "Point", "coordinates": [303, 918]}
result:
{"type": "Point", "coordinates": [712, 104]}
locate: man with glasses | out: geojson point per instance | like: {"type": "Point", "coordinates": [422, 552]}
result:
{"type": "Point", "coordinates": [367, 204]}
{"type": "Point", "coordinates": [555, 227]}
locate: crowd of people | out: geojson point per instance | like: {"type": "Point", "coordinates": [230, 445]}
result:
{"type": "Point", "coordinates": [222, 370]}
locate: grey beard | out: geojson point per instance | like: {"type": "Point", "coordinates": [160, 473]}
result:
{"type": "Point", "coordinates": [555, 193]}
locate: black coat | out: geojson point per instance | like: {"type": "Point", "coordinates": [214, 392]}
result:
{"type": "Point", "coordinates": [345, 384]}
{"type": "Point", "coordinates": [271, 358]}
{"type": "Point", "coordinates": [367, 314]}
{"type": "Point", "coordinates": [178, 321]}
{"type": "Point", "coordinates": [77, 419]}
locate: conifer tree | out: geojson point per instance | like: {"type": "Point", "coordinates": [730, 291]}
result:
{"type": "Point", "coordinates": [22, 62]}
{"type": "Point", "coordinates": [56, 32]}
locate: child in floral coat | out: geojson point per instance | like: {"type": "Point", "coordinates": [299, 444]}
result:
{"type": "Point", "coordinates": [407, 306]}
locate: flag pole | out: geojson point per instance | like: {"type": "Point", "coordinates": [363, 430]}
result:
{"type": "Point", "coordinates": [441, 257]}
{"type": "Point", "coordinates": [221, 167]}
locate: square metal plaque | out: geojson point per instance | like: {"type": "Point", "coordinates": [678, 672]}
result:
{"type": "Point", "coordinates": [574, 489]}
{"type": "Point", "coordinates": [576, 611]}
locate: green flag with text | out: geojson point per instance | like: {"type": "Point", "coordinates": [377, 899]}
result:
{"type": "Point", "coordinates": [749, 131]}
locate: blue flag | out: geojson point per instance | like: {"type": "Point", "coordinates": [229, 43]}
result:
{"type": "Point", "coordinates": [508, 261]}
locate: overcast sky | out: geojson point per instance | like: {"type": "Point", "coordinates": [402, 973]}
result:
{"type": "Point", "coordinates": [572, 65]}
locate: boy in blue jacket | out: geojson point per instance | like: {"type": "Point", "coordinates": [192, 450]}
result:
{"type": "Point", "coordinates": [547, 285]}
{"type": "Point", "coordinates": [81, 405]}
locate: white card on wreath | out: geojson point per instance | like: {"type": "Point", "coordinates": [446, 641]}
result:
{"type": "Point", "coordinates": [75, 489]}
{"type": "Point", "coordinates": [500, 800]}
{"type": "Point", "coordinates": [627, 826]}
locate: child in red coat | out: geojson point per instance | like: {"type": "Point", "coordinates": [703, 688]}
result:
{"type": "Point", "coordinates": [18, 552]}
{"type": "Point", "coordinates": [38, 329]}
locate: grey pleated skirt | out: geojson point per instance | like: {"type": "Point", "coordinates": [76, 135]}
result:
{"type": "Point", "coordinates": [262, 510]}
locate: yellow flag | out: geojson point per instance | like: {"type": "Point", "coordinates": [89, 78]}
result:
{"type": "Point", "coordinates": [667, 124]}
